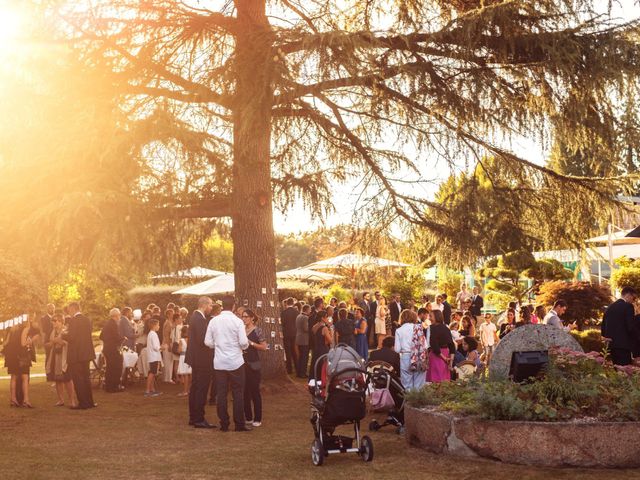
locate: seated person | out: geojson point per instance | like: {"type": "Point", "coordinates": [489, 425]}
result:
{"type": "Point", "coordinates": [471, 355]}
{"type": "Point", "coordinates": [387, 354]}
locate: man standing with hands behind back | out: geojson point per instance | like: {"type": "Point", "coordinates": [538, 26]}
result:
{"type": "Point", "coordinates": [200, 358]}
{"type": "Point", "coordinates": [79, 353]}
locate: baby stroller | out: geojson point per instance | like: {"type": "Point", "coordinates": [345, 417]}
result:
{"type": "Point", "coordinates": [338, 389]}
{"type": "Point", "coordinates": [387, 394]}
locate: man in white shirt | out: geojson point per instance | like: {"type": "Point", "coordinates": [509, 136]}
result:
{"type": "Point", "coordinates": [227, 335]}
{"type": "Point", "coordinates": [553, 317]}
{"type": "Point", "coordinates": [488, 337]}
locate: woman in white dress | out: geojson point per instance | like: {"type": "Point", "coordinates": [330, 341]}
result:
{"type": "Point", "coordinates": [184, 370]}
{"type": "Point", "coordinates": [381, 320]}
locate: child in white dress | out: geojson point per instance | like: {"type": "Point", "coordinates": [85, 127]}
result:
{"type": "Point", "coordinates": [184, 370]}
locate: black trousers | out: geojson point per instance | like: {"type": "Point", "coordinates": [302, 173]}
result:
{"type": "Point", "coordinates": [82, 383]}
{"type": "Point", "coordinates": [200, 381]}
{"type": "Point", "coordinates": [371, 329]}
{"type": "Point", "coordinates": [113, 370]}
{"type": "Point", "coordinates": [47, 352]}
{"type": "Point", "coordinates": [301, 364]}
{"type": "Point", "coordinates": [620, 356]}
{"type": "Point", "coordinates": [213, 392]}
{"type": "Point", "coordinates": [235, 380]}
{"type": "Point", "coordinates": [290, 359]}
{"type": "Point", "coordinates": [252, 397]}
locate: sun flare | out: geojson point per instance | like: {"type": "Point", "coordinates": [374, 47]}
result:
{"type": "Point", "coordinates": [12, 24]}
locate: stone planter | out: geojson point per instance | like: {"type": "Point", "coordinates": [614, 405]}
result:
{"type": "Point", "coordinates": [557, 444]}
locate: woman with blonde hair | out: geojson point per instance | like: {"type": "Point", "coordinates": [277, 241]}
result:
{"type": "Point", "coordinates": [381, 320]}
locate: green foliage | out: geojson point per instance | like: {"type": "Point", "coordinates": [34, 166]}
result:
{"type": "Point", "coordinates": [449, 282]}
{"type": "Point", "coordinates": [293, 253]}
{"type": "Point", "coordinates": [628, 274]}
{"type": "Point", "coordinates": [590, 339]}
{"type": "Point", "coordinates": [506, 274]}
{"type": "Point", "coordinates": [586, 301]}
{"type": "Point", "coordinates": [341, 293]}
{"type": "Point", "coordinates": [407, 284]}
{"type": "Point", "coordinates": [97, 294]}
{"type": "Point", "coordinates": [498, 299]}
{"type": "Point", "coordinates": [21, 291]}
{"type": "Point", "coordinates": [141, 296]}
{"type": "Point", "coordinates": [574, 385]}
{"type": "Point", "coordinates": [297, 290]}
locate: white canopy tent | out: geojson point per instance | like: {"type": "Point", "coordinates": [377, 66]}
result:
{"type": "Point", "coordinates": [621, 237]}
{"type": "Point", "coordinates": [222, 284]}
{"type": "Point", "coordinates": [194, 272]}
{"type": "Point", "coordinates": [306, 274]}
{"type": "Point", "coordinates": [354, 260]}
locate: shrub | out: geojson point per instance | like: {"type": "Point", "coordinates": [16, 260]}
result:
{"type": "Point", "coordinates": [575, 385]}
{"type": "Point", "coordinates": [590, 340]}
{"type": "Point", "coordinates": [586, 301]}
{"type": "Point", "coordinates": [628, 275]}
{"type": "Point", "coordinates": [449, 282]}
{"type": "Point", "coordinates": [297, 290]}
{"type": "Point", "coordinates": [342, 294]}
{"type": "Point", "coordinates": [407, 286]}
{"type": "Point", "coordinates": [142, 296]}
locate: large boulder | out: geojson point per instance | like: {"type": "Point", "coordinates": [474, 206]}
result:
{"type": "Point", "coordinates": [526, 339]}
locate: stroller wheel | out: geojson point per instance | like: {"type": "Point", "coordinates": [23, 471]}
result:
{"type": "Point", "coordinates": [317, 452]}
{"type": "Point", "coordinates": [366, 449]}
{"type": "Point", "coordinates": [374, 426]}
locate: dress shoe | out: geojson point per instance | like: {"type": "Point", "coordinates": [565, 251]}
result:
{"type": "Point", "coordinates": [191, 423]}
{"type": "Point", "coordinates": [242, 429]}
{"type": "Point", "coordinates": [203, 425]}
{"type": "Point", "coordinates": [224, 428]}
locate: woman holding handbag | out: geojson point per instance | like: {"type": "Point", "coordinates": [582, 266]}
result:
{"type": "Point", "coordinates": [19, 354]}
{"type": "Point", "coordinates": [257, 342]}
{"type": "Point", "coordinates": [57, 367]}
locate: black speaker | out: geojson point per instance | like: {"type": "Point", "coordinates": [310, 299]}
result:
{"type": "Point", "coordinates": [525, 365]}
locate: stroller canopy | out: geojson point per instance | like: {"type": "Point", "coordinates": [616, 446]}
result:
{"type": "Point", "coordinates": [343, 362]}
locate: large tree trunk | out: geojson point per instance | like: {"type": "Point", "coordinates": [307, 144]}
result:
{"type": "Point", "coordinates": [252, 230]}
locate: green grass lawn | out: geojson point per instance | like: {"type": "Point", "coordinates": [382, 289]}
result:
{"type": "Point", "coordinates": [131, 437]}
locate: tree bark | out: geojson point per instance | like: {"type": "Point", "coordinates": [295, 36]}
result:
{"type": "Point", "coordinates": [252, 216]}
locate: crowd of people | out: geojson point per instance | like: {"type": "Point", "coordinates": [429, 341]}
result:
{"type": "Point", "coordinates": [216, 348]}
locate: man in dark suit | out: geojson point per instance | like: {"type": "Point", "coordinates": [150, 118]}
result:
{"type": "Point", "coordinates": [371, 321]}
{"type": "Point", "coordinates": [618, 327]}
{"type": "Point", "coordinates": [364, 304]}
{"type": "Point", "coordinates": [395, 307]}
{"type": "Point", "coordinates": [446, 309]}
{"type": "Point", "coordinates": [200, 358]}
{"type": "Point", "coordinates": [112, 340]}
{"type": "Point", "coordinates": [477, 303]}
{"type": "Point", "coordinates": [80, 352]}
{"type": "Point", "coordinates": [46, 325]}
{"type": "Point", "coordinates": [288, 319]}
